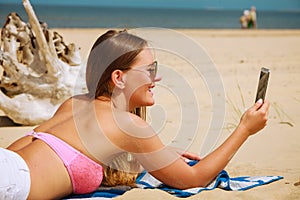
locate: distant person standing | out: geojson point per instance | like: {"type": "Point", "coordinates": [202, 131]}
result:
{"type": "Point", "coordinates": [244, 19]}
{"type": "Point", "coordinates": [252, 21]}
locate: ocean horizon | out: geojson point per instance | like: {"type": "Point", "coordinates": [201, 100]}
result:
{"type": "Point", "coordinates": [128, 17]}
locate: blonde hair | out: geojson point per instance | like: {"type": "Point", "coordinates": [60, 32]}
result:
{"type": "Point", "coordinates": [124, 169]}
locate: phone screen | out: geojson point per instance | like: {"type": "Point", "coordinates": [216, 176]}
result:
{"type": "Point", "coordinates": [262, 84]}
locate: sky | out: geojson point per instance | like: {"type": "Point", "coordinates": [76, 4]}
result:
{"type": "Point", "coordinates": [292, 5]}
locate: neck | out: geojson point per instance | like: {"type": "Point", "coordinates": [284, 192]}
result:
{"type": "Point", "coordinates": [119, 101]}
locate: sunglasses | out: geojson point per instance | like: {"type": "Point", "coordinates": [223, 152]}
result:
{"type": "Point", "coordinates": [150, 70]}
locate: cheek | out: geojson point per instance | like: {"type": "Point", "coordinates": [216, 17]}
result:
{"type": "Point", "coordinates": [141, 97]}
{"type": "Point", "coordinates": [136, 84]}
{"type": "Point", "coordinates": [139, 92]}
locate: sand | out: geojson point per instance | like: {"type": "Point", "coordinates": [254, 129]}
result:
{"type": "Point", "coordinates": [238, 56]}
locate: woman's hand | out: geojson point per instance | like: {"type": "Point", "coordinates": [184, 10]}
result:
{"type": "Point", "coordinates": [255, 118]}
{"type": "Point", "coordinates": [185, 155]}
{"type": "Point", "coordinates": [190, 156]}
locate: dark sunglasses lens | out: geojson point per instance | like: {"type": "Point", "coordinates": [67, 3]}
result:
{"type": "Point", "coordinates": [153, 70]}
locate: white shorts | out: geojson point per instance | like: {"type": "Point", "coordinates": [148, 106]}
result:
{"type": "Point", "coordinates": [14, 176]}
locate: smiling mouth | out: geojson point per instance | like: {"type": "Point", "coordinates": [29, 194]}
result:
{"type": "Point", "coordinates": [151, 87]}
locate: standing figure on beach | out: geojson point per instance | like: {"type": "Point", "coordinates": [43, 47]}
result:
{"type": "Point", "coordinates": [244, 19]}
{"type": "Point", "coordinates": [252, 22]}
{"type": "Point", "coordinates": [83, 145]}
{"type": "Point", "coordinates": [248, 19]}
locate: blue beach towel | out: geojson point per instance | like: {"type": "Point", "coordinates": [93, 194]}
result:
{"type": "Point", "coordinates": [222, 181]}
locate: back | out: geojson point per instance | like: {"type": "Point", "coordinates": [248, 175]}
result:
{"type": "Point", "coordinates": [82, 122]}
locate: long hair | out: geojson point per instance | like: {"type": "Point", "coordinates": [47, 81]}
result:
{"type": "Point", "coordinates": [114, 50]}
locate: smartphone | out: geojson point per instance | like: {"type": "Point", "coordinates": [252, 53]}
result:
{"type": "Point", "coordinates": [262, 84]}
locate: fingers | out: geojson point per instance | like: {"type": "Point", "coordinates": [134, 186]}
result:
{"type": "Point", "coordinates": [261, 105]}
{"type": "Point", "coordinates": [257, 105]}
{"type": "Point", "coordinates": [265, 106]}
{"type": "Point", "coordinates": [191, 156]}
{"type": "Point", "coordinates": [265, 111]}
{"type": "Point", "coordinates": [256, 117]}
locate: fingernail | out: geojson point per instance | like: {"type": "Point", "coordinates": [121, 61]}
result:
{"type": "Point", "coordinates": [260, 101]}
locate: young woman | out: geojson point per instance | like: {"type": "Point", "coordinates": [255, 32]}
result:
{"type": "Point", "coordinates": [79, 147]}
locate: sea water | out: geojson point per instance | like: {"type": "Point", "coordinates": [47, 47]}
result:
{"type": "Point", "coordinates": [114, 17]}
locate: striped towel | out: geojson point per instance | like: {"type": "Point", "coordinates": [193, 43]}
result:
{"type": "Point", "coordinates": [222, 181]}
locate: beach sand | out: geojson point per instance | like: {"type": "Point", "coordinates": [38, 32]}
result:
{"type": "Point", "coordinates": [238, 56]}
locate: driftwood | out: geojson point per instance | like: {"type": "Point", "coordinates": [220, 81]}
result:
{"type": "Point", "coordinates": [39, 69]}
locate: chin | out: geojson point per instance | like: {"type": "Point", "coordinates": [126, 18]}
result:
{"type": "Point", "coordinates": [146, 103]}
{"type": "Point", "coordinates": [150, 102]}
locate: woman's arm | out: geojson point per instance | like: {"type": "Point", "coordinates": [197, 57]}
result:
{"type": "Point", "coordinates": [251, 122]}
{"type": "Point", "coordinates": [180, 175]}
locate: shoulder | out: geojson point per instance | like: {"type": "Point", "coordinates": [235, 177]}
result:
{"type": "Point", "coordinates": [133, 125]}
{"type": "Point", "coordinates": [138, 134]}
{"type": "Point", "coordinates": [68, 104]}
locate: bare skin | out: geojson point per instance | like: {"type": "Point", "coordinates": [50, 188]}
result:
{"type": "Point", "coordinates": [49, 177]}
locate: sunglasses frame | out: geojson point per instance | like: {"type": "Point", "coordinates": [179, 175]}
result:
{"type": "Point", "coordinates": [151, 68]}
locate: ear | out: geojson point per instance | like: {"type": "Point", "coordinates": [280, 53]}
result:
{"type": "Point", "coordinates": [118, 78]}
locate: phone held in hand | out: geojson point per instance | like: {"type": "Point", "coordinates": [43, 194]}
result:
{"type": "Point", "coordinates": [262, 84]}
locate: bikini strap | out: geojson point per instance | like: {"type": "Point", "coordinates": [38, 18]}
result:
{"type": "Point", "coordinates": [30, 133]}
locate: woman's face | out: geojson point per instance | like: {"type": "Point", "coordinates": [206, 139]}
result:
{"type": "Point", "coordinates": [140, 80]}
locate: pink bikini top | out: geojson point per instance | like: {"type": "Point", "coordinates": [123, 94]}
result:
{"type": "Point", "coordinates": [86, 175]}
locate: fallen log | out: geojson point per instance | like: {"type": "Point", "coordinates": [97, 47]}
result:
{"type": "Point", "coordinates": [39, 69]}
